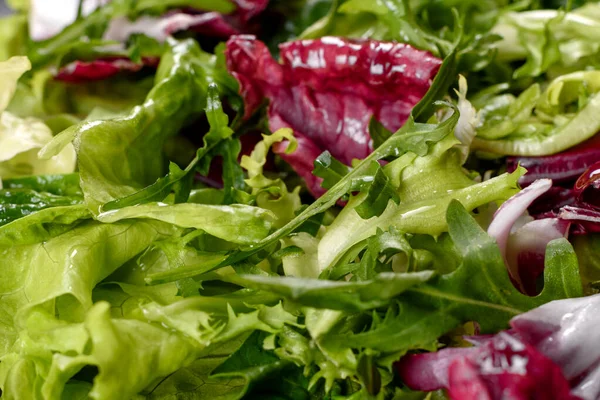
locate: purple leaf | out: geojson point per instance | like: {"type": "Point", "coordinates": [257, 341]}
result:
{"type": "Point", "coordinates": [548, 204]}
{"type": "Point", "coordinates": [429, 371]}
{"type": "Point", "coordinates": [587, 187]}
{"type": "Point", "coordinates": [523, 241]}
{"type": "Point", "coordinates": [79, 71]}
{"type": "Point", "coordinates": [586, 219]}
{"type": "Point", "coordinates": [48, 17]}
{"type": "Point", "coordinates": [502, 367]}
{"type": "Point", "coordinates": [327, 90]}
{"type": "Point", "coordinates": [208, 24]}
{"type": "Point", "coordinates": [561, 167]}
{"type": "Point", "coordinates": [567, 332]}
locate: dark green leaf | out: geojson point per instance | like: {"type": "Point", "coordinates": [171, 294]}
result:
{"type": "Point", "coordinates": [480, 290]}
{"type": "Point", "coordinates": [379, 133]}
{"type": "Point", "coordinates": [329, 169]}
{"type": "Point", "coordinates": [338, 295]}
{"type": "Point", "coordinates": [59, 185]}
{"type": "Point", "coordinates": [379, 193]}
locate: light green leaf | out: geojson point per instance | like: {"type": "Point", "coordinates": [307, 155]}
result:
{"type": "Point", "coordinates": [20, 139]}
{"type": "Point", "coordinates": [59, 269]}
{"type": "Point", "coordinates": [235, 223]}
{"type": "Point", "coordinates": [136, 139]}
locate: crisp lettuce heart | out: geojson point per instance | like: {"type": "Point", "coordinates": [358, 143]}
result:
{"type": "Point", "coordinates": [22, 138]}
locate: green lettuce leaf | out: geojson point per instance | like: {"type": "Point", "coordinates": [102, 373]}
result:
{"type": "Point", "coordinates": [549, 39]}
{"type": "Point", "coordinates": [564, 115]}
{"type": "Point", "coordinates": [178, 95]}
{"type": "Point", "coordinates": [160, 332]}
{"type": "Point", "coordinates": [18, 203]}
{"type": "Point", "coordinates": [425, 185]}
{"type": "Point", "coordinates": [59, 185]}
{"type": "Point", "coordinates": [20, 139]}
{"type": "Point", "coordinates": [219, 131]}
{"type": "Point", "coordinates": [236, 223]}
{"type": "Point", "coordinates": [194, 381]}
{"type": "Point", "coordinates": [13, 35]}
{"type": "Point", "coordinates": [51, 267]}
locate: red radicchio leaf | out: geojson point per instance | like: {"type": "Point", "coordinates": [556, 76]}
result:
{"type": "Point", "coordinates": [549, 203]}
{"type": "Point", "coordinates": [209, 24]}
{"type": "Point", "coordinates": [248, 9]}
{"type": "Point", "coordinates": [79, 71]}
{"type": "Point", "coordinates": [561, 167]}
{"type": "Point", "coordinates": [48, 18]}
{"type": "Point", "coordinates": [587, 187]}
{"type": "Point", "coordinates": [500, 368]}
{"type": "Point", "coordinates": [327, 90]}
{"type": "Point", "coordinates": [586, 219]}
{"type": "Point", "coordinates": [522, 242]}
{"type": "Point", "coordinates": [566, 331]}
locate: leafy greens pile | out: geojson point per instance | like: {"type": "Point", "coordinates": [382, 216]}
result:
{"type": "Point", "coordinates": [308, 199]}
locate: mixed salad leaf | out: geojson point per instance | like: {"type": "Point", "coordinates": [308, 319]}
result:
{"type": "Point", "coordinates": [307, 199]}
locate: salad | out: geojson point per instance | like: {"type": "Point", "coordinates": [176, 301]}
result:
{"type": "Point", "coordinates": [300, 199]}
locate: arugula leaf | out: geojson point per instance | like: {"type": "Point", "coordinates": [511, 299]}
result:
{"type": "Point", "coordinates": [427, 187]}
{"type": "Point", "coordinates": [255, 368]}
{"type": "Point", "coordinates": [379, 134]}
{"type": "Point", "coordinates": [479, 290]}
{"type": "Point", "coordinates": [92, 27]}
{"type": "Point", "coordinates": [336, 295]}
{"type": "Point", "coordinates": [375, 183]}
{"type": "Point", "coordinates": [378, 195]}
{"type": "Point", "coordinates": [331, 171]}
{"type": "Point", "coordinates": [411, 137]}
